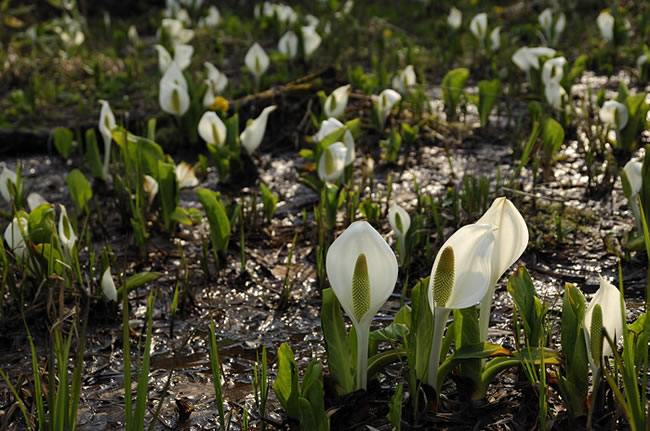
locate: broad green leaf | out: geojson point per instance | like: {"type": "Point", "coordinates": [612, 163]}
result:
{"type": "Point", "coordinates": [395, 409]}
{"type": "Point", "coordinates": [453, 85]}
{"type": "Point", "coordinates": [488, 91]}
{"type": "Point", "coordinates": [286, 382]}
{"type": "Point", "coordinates": [92, 154]}
{"type": "Point", "coordinates": [339, 355]}
{"type": "Point", "coordinates": [139, 279]}
{"type": "Point", "coordinates": [217, 217]}
{"type": "Point", "coordinates": [552, 138]}
{"type": "Point", "coordinates": [421, 328]}
{"type": "Point", "coordinates": [168, 191]}
{"type": "Point", "coordinates": [41, 224]}
{"type": "Point", "coordinates": [63, 141]}
{"type": "Point", "coordinates": [80, 190]}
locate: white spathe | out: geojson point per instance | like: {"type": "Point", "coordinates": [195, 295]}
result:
{"type": "Point", "coordinates": [526, 57]}
{"type": "Point", "coordinates": [336, 102]}
{"type": "Point", "coordinates": [555, 94]}
{"type": "Point", "coordinates": [495, 38]}
{"type": "Point", "coordinates": [212, 19]}
{"type": "Point", "coordinates": [252, 136]}
{"type": "Point", "coordinates": [331, 164]}
{"type": "Point", "coordinates": [108, 285]}
{"type": "Point", "coordinates": [455, 18]}
{"type": "Point", "coordinates": [173, 96]}
{"type": "Point", "coordinates": [150, 186]}
{"type": "Point", "coordinates": [212, 129]}
{"type": "Point", "coordinates": [384, 104]}
{"type": "Point", "coordinates": [311, 39]}
{"type": "Point", "coordinates": [6, 175]}
{"type": "Point", "coordinates": [545, 20]}
{"type": "Point", "coordinates": [510, 241]}
{"type": "Point", "coordinates": [473, 246]}
{"type": "Point", "coordinates": [35, 200]}
{"type": "Point", "coordinates": [185, 176]}
{"type": "Point", "coordinates": [217, 82]}
{"type": "Point", "coordinates": [553, 70]}
{"type": "Point", "coordinates": [404, 80]}
{"type": "Point", "coordinates": [256, 60]}
{"type": "Point", "coordinates": [400, 222]}
{"type": "Point", "coordinates": [14, 236]}
{"type": "Point", "coordinates": [634, 177]}
{"type": "Point", "coordinates": [66, 233]}
{"type": "Point", "coordinates": [478, 26]}
{"type": "Point", "coordinates": [609, 299]}
{"type": "Point", "coordinates": [605, 23]}
{"type": "Point", "coordinates": [330, 126]}
{"type": "Point", "coordinates": [614, 113]}
{"type": "Point", "coordinates": [106, 125]}
{"type": "Point", "coordinates": [288, 44]}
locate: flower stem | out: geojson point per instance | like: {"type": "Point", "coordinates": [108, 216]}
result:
{"type": "Point", "coordinates": [485, 308]}
{"type": "Point", "coordinates": [440, 321]}
{"type": "Point", "coordinates": [363, 332]}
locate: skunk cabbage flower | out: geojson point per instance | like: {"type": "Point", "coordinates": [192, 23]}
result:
{"type": "Point", "coordinates": [15, 235]}
{"type": "Point", "coordinates": [495, 38]}
{"type": "Point", "coordinates": [312, 21]}
{"type": "Point", "coordinates": [603, 313]}
{"type": "Point", "coordinates": [216, 82]}
{"type": "Point", "coordinates": [614, 113]}
{"type": "Point", "coordinates": [525, 57]}
{"type": "Point", "coordinates": [211, 129]}
{"type": "Point", "coordinates": [553, 70]}
{"type": "Point", "coordinates": [311, 40]}
{"type": "Point", "coordinates": [510, 241]}
{"type": "Point", "coordinates": [460, 278]}
{"type": "Point", "coordinates": [478, 26]}
{"type": "Point", "coordinates": [176, 31]}
{"type": "Point", "coordinates": [256, 61]}
{"type": "Point", "coordinates": [384, 104]}
{"type": "Point", "coordinates": [6, 175]}
{"type": "Point", "coordinates": [605, 23]}
{"type": "Point", "coordinates": [455, 18]}
{"type": "Point", "coordinates": [34, 200]}
{"type": "Point", "coordinates": [399, 221]}
{"type": "Point", "coordinates": [555, 94]}
{"type": "Point", "coordinates": [184, 17]}
{"type": "Point", "coordinates": [133, 35]}
{"type": "Point", "coordinates": [106, 124]}
{"type": "Point", "coordinates": [633, 173]}
{"type": "Point", "coordinates": [150, 186]}
{"type": "Point", "coordinates": [545, 20]}
{"type": "Point", "coordinates": [362, 270]}
{"type": "Point", "coordinates": [252, 136]}
{"type": "Point", "coordinates": [212, 19]}
{"type": "Point", "coordinates": [108, 285]}
{"type": "Point", "coordinates": [404, 79]}
{"type": "Point", "coordinates": [331, 125]}
{"type": "Point", "coordinates": [336, 102]}
{"type": "Point", "coordinates": [66, 232]}
{"type": "Point", "coordinates": [182, 56]}
{"type": "Point", "coordinates": [185, 176]}
{"type": "Point", "coordinates": [288, 44]}
{"type": "Point", "coordinates": [331, 164]}
{"type": "Point", "coordinates": [173, 96]}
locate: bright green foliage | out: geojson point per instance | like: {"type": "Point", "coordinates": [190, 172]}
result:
{"type": "Point", "coordinates": [528, 307]}
{"type": "Point", "coordinates": [269, 200]}
{"type": "Point", "coordinates": [488, 91]}
{"type": "Point", "coordinates": [80, 190]}
{"type": "Point", "coordinates": [304, 403]}
{"type": "Point", "coordinates": [395, 409]}
{"type": "Point", "coordinates": [453, 85]}
{"type": "Point", "coordinates": [340, 357]}
{"type": "Point", "coordinates": [217, 217]}
{"type": "Point", "coordinates": [63, 141]}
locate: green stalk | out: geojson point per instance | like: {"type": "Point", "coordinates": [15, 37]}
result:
{"type": "Point", "coordinates": [363, 333]}
{"type": "Point", "coordinates": [440, 320]}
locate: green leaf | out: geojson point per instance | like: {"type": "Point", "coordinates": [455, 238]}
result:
{"type": "Point", "coordinates": [395, 409]}
{"type": "Point", "coordinates": [637, 110]}
{"type": "Point", "coordinates": [453, 85]}
{"type": "Point", "coordinates": [339, 355]}
{"type": "Point", "coordinates": [139, 279]}
{"type": "Point", "coordinates": [488, 91]}
{"type": "Point", "coordinates": [421, 328]}
{"type": "Point", "coordinates": [63, 141]}
{"type": "Point", "coordinates": [269, 201]}
{"type": "Point", "coordinates": [80, 190]}
{"type": "Point", "coordinates": [217, 217]}
{"type": "Point", "coordinates": [286, 382]}
{"type": "Point", "coordinates": [41, 224]}
{"type": "Point", "coordinates": [552, 138]}
{"type": "Point", "coordinates": [393, 333]}
{"type": "Point", "coordinates": [313, 392]}
{"type": "Point", "coordinates": [168, 191]}
{"type": "Point", "coordinates": [92, 154]}
{"type": "Point", "coordinates": [521, 288]}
